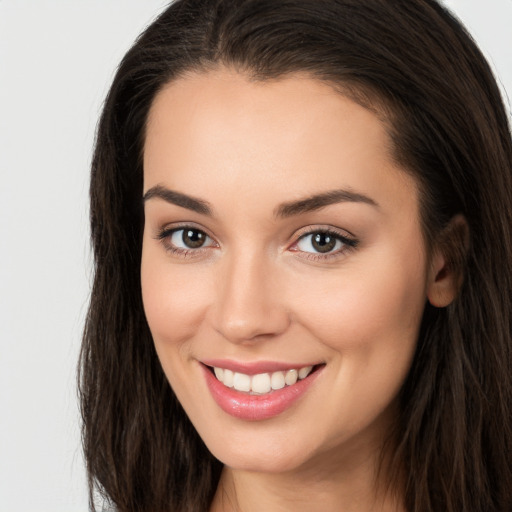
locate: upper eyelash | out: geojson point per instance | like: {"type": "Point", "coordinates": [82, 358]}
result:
{"type": "Point", "coordinates": [349, 243]}
{"type": "Point", "coordinates": [331, 232]}
{"type": "Point", "coordinates": [167, 231]}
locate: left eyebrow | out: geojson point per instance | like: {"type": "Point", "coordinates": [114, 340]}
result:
{"type": "Point", "coordinates": [318, 201]}
{"type": "Point", "coordinates": [179, 199]}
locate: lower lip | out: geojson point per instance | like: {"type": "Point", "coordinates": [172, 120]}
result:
{"type": "Point", "coordinates": [256, 407]}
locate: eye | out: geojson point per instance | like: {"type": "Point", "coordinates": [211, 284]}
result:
{"type": "Point", "coordinates": [189, 238]}
{"type": "Point", "coordinates": [185, 241]}
{"type": "Point", "coordinates": [323, 242]}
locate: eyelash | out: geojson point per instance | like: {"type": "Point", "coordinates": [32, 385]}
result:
{"type": "Point", "coordinates": [348, 244]}
{"type": "Point", "coordinates": [165, 237]}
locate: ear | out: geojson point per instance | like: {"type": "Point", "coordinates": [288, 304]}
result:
{"type": "Point", "coordinates": [447, 262]}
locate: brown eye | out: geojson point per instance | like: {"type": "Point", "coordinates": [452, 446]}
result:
{"type": "Point", "coordinates": [189, 238]}
{"type": "Point", "coordinates": [193, 238]}
{"type": "Point", "coordinates": [320, 242]}
{"type": "Point", "coordinates": [323, 242]}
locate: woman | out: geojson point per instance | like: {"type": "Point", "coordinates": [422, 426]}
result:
{"type": "Point", "coordinates": [301, 219]}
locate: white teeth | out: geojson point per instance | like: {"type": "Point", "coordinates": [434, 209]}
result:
{"type": "Point", "coordinates": [219, 373]}
{"type": "Point", "coordinates": [290, 377]}
{"type": "Point", "coordinates": [263, 382]}
{"type": "Point", "coordinates": [277, 380]}
{"type": "Point", "coordinates": [242, 382]}
{"type": "Point", "coordinates": [227, 378]}
{"type": "Point", "coordinates": [304, 372]}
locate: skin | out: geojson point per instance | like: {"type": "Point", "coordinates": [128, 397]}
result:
{"type": "Point", "coordinates": [258, 291]}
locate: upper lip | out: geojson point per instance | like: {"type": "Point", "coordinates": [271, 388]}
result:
{"type": "Point", "coordinates": [254, 367]}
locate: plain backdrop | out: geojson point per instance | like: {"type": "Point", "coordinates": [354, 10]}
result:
{"type": "Point", "coordinates": [57, 58]}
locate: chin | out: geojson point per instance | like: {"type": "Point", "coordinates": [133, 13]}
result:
{"type": "Point", "coordinates": [259, 453]}
{"type": "Point", "coordinates": [261, 461]}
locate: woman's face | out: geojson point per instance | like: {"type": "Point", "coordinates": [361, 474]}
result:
{"type": "Point", "coordinates": [279, 235]}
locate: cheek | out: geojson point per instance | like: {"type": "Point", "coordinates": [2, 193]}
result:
{"type": "Point", "coordinates": [368, 305]}
{"type": "Point", "coordinates": [369, 321]}
{"type": "Point", "coordinates": [174, 297]}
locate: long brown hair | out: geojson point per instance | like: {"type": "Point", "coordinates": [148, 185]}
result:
{"type": "Point", "coordinates": [413, 63]}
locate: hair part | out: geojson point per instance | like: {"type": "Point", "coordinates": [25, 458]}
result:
{"type": "Point", "coordinates": [413, 64]}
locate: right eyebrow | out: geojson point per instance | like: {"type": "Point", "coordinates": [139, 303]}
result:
{"type": "Point", "coordinates": [179, 199]}
{"type": "Point", "coordinates": [319, 201]}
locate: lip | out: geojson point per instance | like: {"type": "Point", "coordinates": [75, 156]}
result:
{"type": "Point", "coordinates": [255, 367]}
{"type": "Point", "coordinates": [256, 407]}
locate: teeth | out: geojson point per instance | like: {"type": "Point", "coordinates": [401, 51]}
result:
{"type": "Point", "coordinates": [304, 372]}
{"type": "Point", "coordinates": [242, 382]}
{"type": "Point", "coordinates": [277, 380]}
{"type": "Point", "coordinates": [227, 378]}
{"type": "Point", "coordinates": [263, 382]}
{"type": "Point", "coordinates": [219, 373]}
{"type": "Point", "coordinates": [290, 377]}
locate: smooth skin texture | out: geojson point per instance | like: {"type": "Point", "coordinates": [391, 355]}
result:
{"type": "Point", "coordinates": [258, 289]}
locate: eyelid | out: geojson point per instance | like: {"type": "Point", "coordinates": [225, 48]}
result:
{"type": "Point", "coordinates": [165, 233]}
{"type": "Point", "coordinates": [324, 228]}
{"type": "Point", "coordinates": [176, 226]}
{"type": "Point", "coordinates": [348, 240]}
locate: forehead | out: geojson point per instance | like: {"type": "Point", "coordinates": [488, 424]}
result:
{"type": "Point", "coordinates": [293, 136]}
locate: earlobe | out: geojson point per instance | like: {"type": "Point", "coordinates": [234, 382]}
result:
{"type": "Point", "coordinates": [447, 263]}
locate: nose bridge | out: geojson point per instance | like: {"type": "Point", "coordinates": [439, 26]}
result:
{"type": "Point", "coordinates": [249, 303]}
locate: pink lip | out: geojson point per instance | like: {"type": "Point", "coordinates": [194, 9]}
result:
{"type": "Point", "coordinates": [256, 407]}
{"type": "Point", "coordinates": [254, 368]}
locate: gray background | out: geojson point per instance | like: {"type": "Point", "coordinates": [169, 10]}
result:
{"type": "Point", "coordinates": [56, 61]}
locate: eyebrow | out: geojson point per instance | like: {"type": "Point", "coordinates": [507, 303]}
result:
{"type": "Point", "coordinates": [179, 199]}
{"type": "Point", "coordinates": [318, 201]}
{"type": "Point", "coordinates": [288, 209]}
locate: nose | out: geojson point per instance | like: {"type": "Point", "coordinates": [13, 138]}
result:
{"type": "Point", "coordinates": [249, 305]}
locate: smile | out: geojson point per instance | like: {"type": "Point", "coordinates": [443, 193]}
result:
{"type": "Point", "coordinates": [261, 383]}
{"type": "Point", "coordinates": [260, 391]}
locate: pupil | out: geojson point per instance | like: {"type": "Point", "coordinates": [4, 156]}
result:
{"type": "Point", "coordinates": [193, 238]}
{"type": "Point", "coordinates": [323, 242]}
